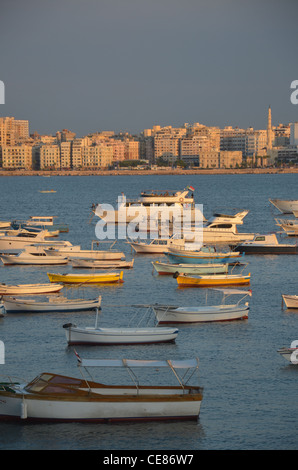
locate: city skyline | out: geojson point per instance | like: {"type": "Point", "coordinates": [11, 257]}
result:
{"type": "Point", "coordinates": [129, 65]}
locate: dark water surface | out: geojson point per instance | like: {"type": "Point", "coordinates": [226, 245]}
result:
{"type": "Point", "coordinates": [250, 391]}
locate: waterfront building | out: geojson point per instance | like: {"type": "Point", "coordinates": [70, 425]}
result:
{"type": "Point", "coordinates": [17, 156]}
{"type": "Point", "coordinates": [13, 130]}
{"type": "Point", "coordinates": [78, 145]}
{"type": "Point", "coordinates": [97, 156]}
{"type": "Point", "coordinates": [65, 154]}
{"type": "Point", "coordinates": [49, 156]}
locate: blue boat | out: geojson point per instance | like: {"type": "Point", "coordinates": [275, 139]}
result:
{"type": "Point", "coordinates": [202, 256]}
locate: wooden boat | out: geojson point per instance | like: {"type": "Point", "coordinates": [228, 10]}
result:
{"type": "Point", "coordinates": [92, 278]}
{"type": "Point", "coordinates": [35, 255]}
{"type": "Point", "coordinates": [212, 280]}
{"type": "Point", "coordinates": [52, 397]}
{"type": "Point", "coordinates": [290, 354]}
{"type": "Point", "coordinates": [92, 263]}
{"type": "Point", "coordinates": [206, 313]}
{"type": "Point", "coordinates": [48, 191]}
{"type": "Point", "coordinates": [102, 336]}
{"type": "Point", "coordinates": [6, 289]}
{"type": "Point", "coordinates": [266, 245]}
{"type": "Point", "coordinates": [156, 246]}
{"type": "Point", "coordinates": [73, 252]}
{"type": "Point", "coordinates": [202, 256]}
{"type": "Point", "coordinates": [291, 301]}
{"type": "Point", "coordinates": [285, 206]}
{"type": "Point", "coordinates": [170, 268]}
{"type": "Point", "coordinates": [52, 304]}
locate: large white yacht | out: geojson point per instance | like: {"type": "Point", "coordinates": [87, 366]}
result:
{"type": "Point", "coordinates": [167, 204]}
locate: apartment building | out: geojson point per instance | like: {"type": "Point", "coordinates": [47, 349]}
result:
{"type": "Point", "coordinates": [13, 130]}
{"type": "Point", "coordinates": [49, 156]}
{"type": "Point", "coordinates": [65, 154]}
{"type": "Point", "coordinates": [17, 156]}
{"type": "Point", "coordinates": [97, 156]}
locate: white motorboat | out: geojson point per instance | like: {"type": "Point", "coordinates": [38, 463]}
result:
{"type": "Point", "coordinates": [12, 244]}
{"type": "Point", "coordinates": [32, 289]}
{"type": "Point", "coordinates": [157, 245]}
{"type": "Point", "coordinates": [208, 313]}
{"type": "Point", "coordinates": [171, 268]}
{"type": "Point", "coordinates": [291, 353]}
{"type": "Point", "coordinates": [98, 264]}
{"type": "Point", "coordinates": [73, 252]}
{"type": "Point", "coordinates": [42, 222]}
{"type": "Point", "coordinates": [285, 206]}
{"type": "Point", "coordinates": [169, 204]}
{"type": "Point", "coordinates": [291, 301]}
{"type": "Point", "coordinates": [51, 304]}
{"type": "Point", "coordinates": [33, 255]}
{"type": "Point", "coordinates": [4, 225]}
{"type": "Point", "coordinates": [51, 397]}
{"type": "Point", "coordinates": [223, 229]}
{"type": "Point", "coordinates": [290, 226]}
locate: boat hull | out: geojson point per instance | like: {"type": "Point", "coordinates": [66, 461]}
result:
{"type": "Point", "coordinates": [214, 280]}
{"type": "Point", "coordinates": [168, 268]}
{"type": "Point", "coordinates": [206, 314]}
{"type": "Point", "coordinates": [268, 249]}
{"type": "Point", "coordinates": [85, 263]}
{"type": "Point", "coordinates": [106, 336]}
{"type": "Point", "coordinates": [105, 409]}
{"type": "Point", "coordinates": [285, 206]}
{"type": "Point", "coordinates": [21, 305]}
{"type": "Point", "coordinates": [203, 258]}
{"type": "Point", "coordinates": [33, 260]}
{"type": "Point", "coordinates": [29, 289]}
{"type": "Point", "coordinates": [151, 248]}
{"type": "Point", "coordinates": [97, 278]}
{"type": "Point", "coordinates": [90, 254]}
{"type": "Point", "coordinates": [291, 301]}
{"type": "Point", "coordinates": [290, 354]}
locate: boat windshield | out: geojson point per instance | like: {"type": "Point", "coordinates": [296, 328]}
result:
{"type": "Point", "coordinates": [52, 383]}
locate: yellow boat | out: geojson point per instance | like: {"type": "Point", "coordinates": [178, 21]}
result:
{"type": "Point", "coordinates": [212, 280]}
{"type": "Point", "coordinates": [94, 278]}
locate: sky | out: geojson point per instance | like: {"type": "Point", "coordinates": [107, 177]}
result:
{"type": "Point", "coordinates": [127, 65]}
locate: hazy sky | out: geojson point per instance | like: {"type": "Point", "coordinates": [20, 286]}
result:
{"type": "Point", "coordinates": [92, 65]}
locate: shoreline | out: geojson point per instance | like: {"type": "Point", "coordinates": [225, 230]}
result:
{"type": "Point", "coordinates": [231, 171]}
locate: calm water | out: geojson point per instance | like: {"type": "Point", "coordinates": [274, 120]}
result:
{"type": "Point", "coordinates": [250, 391]}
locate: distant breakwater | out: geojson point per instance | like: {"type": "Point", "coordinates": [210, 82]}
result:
{"type": "Point", "coordinates": [231, 171]}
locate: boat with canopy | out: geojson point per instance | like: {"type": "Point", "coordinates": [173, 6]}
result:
{"type": "Point", "coordinates": [52, 397]}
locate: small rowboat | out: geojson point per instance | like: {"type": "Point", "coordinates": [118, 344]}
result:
{"type": "Point", "coordinates": [105, 336]}
{"type": "Point", "coordinates": [53, 304]}
{"type": "Point", "coordinates": [210, 268]}
{"type": "Point", "coordinates": [93, 278]}
{"type": "Point", "coordinates": [94, 263]}
{"type": "Point", "coordinates": [213, 280]}
{"type": "Point", "coordinates": [29, 289]}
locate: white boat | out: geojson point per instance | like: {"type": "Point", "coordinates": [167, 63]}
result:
{"type": "Point", "coordinates": [4, 225]}
{"type": "Point", "coordinates": [169, 203]}
{"type": "Point", "coordinates": [118, 335]}
{"type": "Point", "coordinates": [33, 255]}
{"type": "Point", "coordinates": [285, 206]}
{"type": "Point", "coordinates": [52, 397]}
{"type": "Point", "coordinates": [223, 229]}
{"type": "Point", "coordinates": [266, 244]}
{"type": "Point", "coordinates": [15, 243]}
{"type": "Point", "coordinates": [9, 289]}
{"type": "Point", "coordinates": [51, 304]}
{"type": "Point", "coordinates": [170, 268]}
{"type": "Point", "coordinates": [291, 301]}
{"type": "Point", "coordinates": [290, 226]}
{"type": "Point", "coordinates": [157, 245]}
{"type": "Point", "coordinates": [73, 252]}
{"type": "Point", "coordinates": [98, 264]}
{"type": "Point", "coordinates": [290, 354]}
{"type": "Point", "coordinates": [42, 222]}
{"type": "Point", "coordinates": [208, 313]}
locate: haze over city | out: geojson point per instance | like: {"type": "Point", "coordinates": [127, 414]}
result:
{"type": "Point", "coordinates": [128, 65]}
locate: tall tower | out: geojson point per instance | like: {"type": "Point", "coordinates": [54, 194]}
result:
{"type": "Point", "coordinates": [269, 130]}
